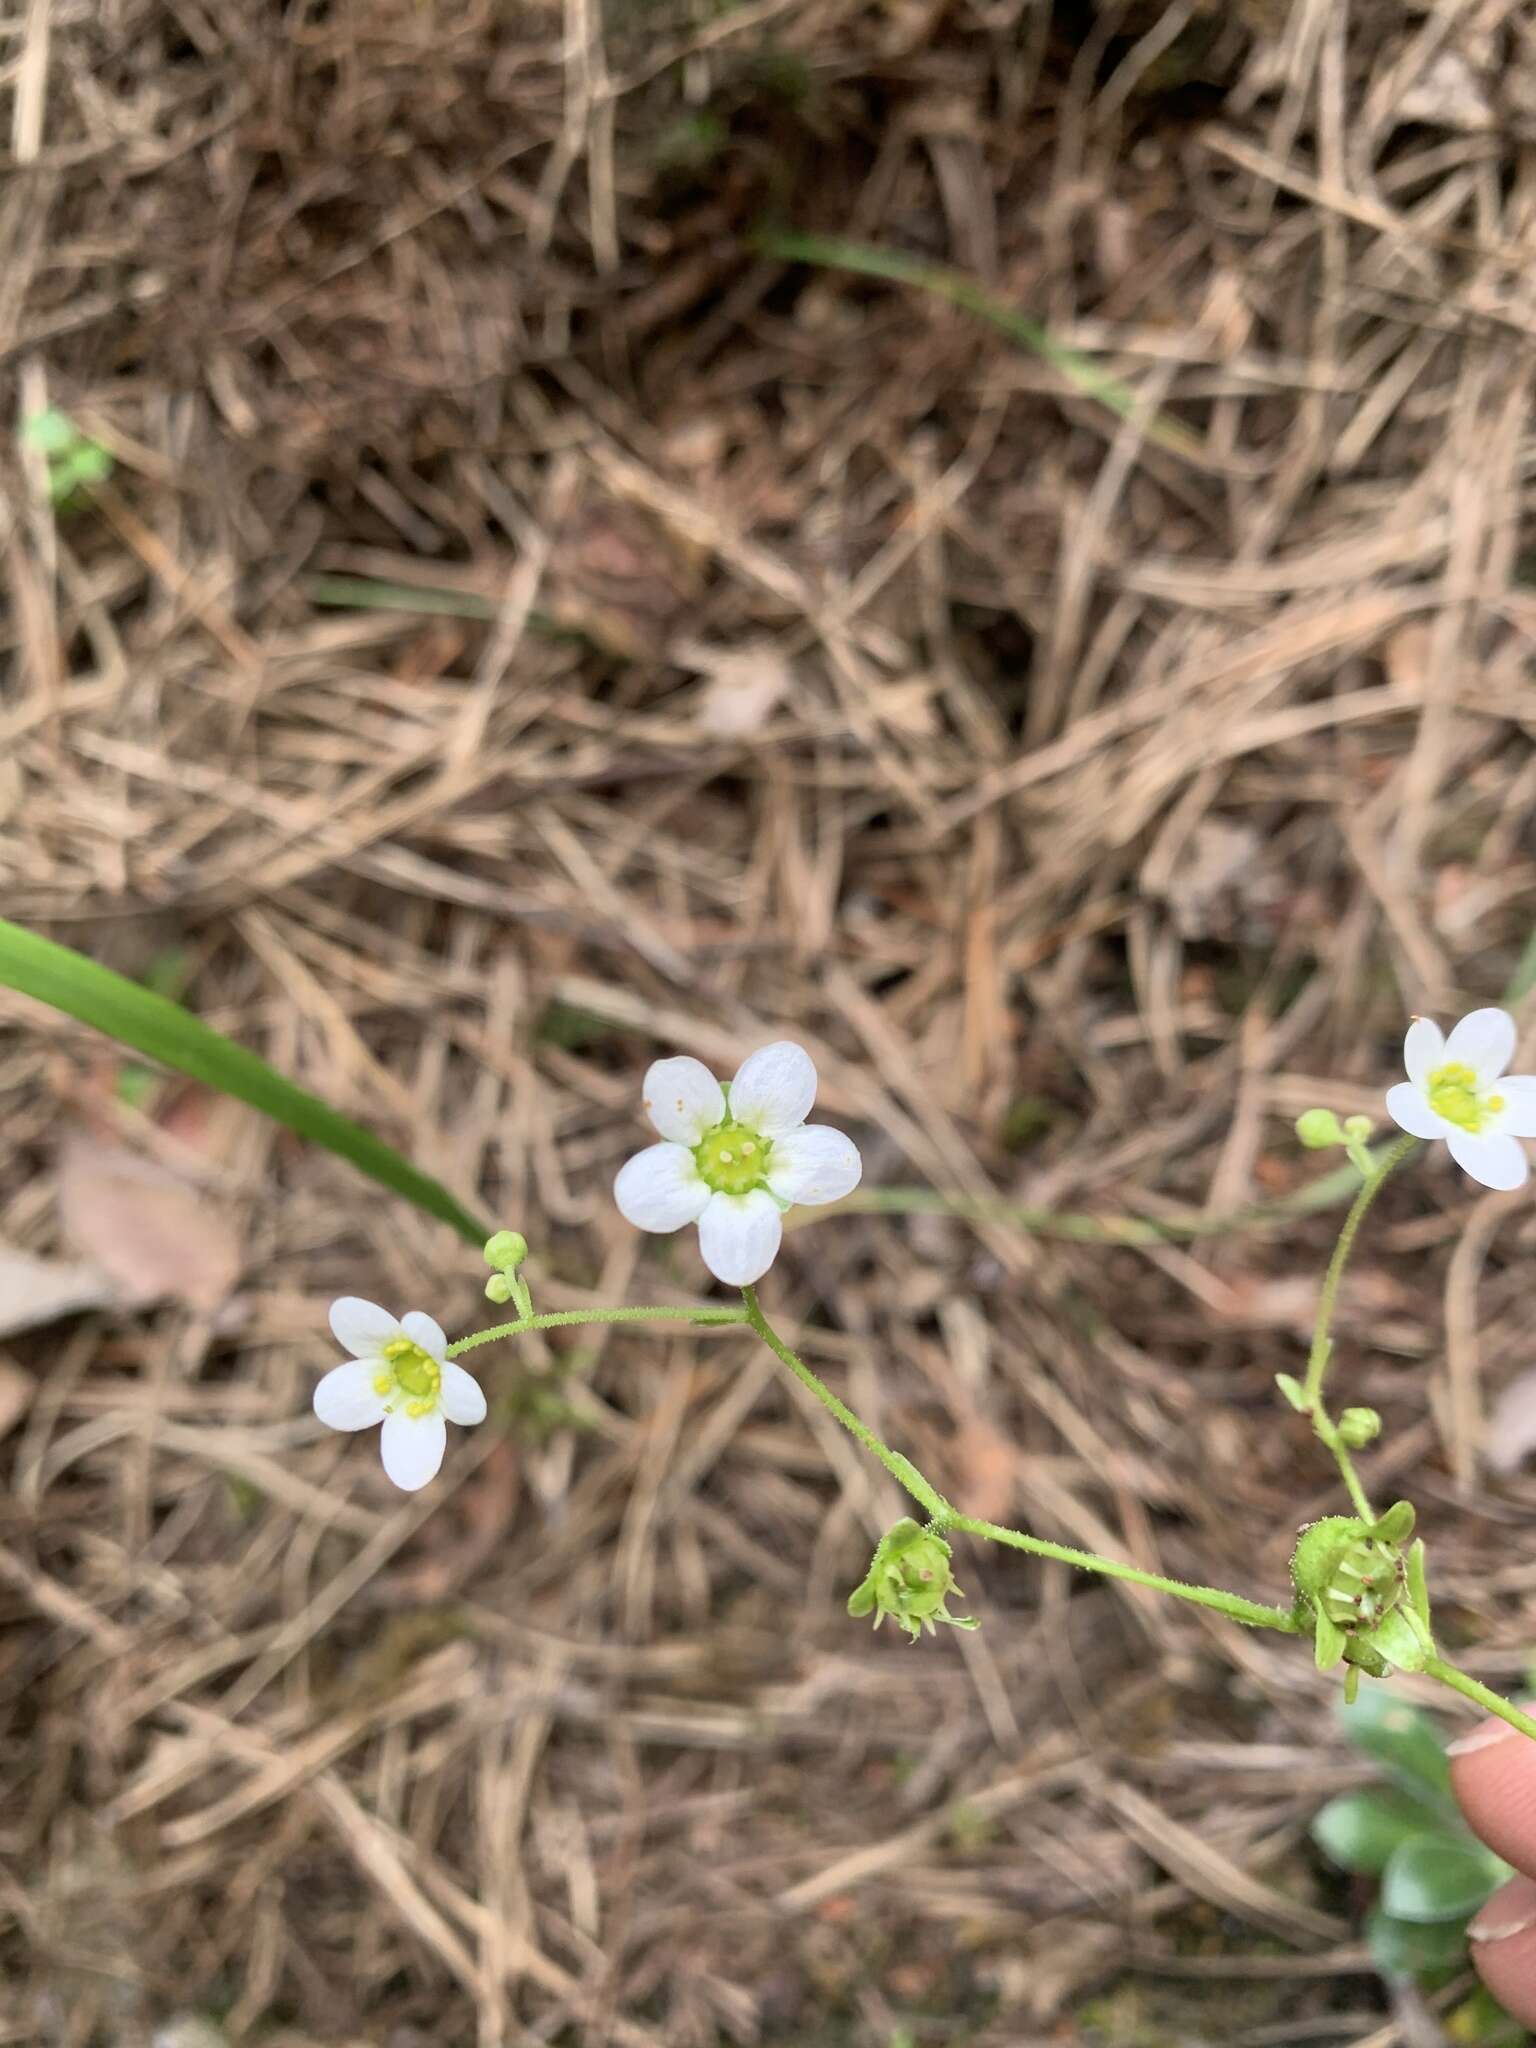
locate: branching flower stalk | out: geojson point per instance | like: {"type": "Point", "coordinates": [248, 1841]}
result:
{"type": "Point", "coordinates": [735, 1159]}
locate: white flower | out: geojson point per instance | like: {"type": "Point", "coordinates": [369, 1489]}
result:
{"type": "Point", "coordinates": [397, 1375]}
{"type": "Point", "coordinates": [1457, 1090]}
{"type": "Point", "coordinates": [733, 1160]}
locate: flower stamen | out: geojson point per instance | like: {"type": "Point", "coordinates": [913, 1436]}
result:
{"type": "Point", "coordinates": [1454, 1093]}
{"type": "Point", "coordinates": [732, 1160]}
{"type": "Point", "coordinates": [413, 1373]}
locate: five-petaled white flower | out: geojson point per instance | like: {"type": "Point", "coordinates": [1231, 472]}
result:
{"type": "Point", "coordinates": [397, 1375]}
{"type": "Point", "coordinates": [733, 1160]}
{"type": "Point", "coordinates": [1457, 1090]}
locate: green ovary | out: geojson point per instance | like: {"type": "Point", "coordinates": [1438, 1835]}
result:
{"type": "Point", "coordinates": [1453, 1094]}
{"type": "Point", "coordinates": [732, 1160]}
{"type": "Point", "coordinates": [411, 1376]}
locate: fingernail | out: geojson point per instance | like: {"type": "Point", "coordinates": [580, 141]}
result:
{"type": "Point", "coordinates": [1499, 1924]}
{"type": "Point", "coordinates": [1483, 1736]}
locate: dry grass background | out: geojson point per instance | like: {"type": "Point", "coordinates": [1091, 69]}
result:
{"type": "Point", "coordinates": [736, 649]}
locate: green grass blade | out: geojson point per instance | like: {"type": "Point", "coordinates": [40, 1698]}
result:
{"type": "Point", "coordinates": [164, 1031]}
{"type": "Point", "coordinates": [830, 252]}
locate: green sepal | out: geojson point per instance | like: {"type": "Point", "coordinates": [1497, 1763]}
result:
{"type": "Point", "coordinates": [1318, 1550]}
{"type": "Point", "coordinates": [1402, 1639]}
{"type": "Point", "coordinates": [1396, 1525]}
{"type": "Point", "coordinates": [1330, 1642]}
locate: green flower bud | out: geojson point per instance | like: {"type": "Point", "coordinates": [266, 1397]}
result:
{"type": "Point", "coordinates": [910, 1579]}
{"type": "Point", "coordinates": [498, 1288]}
{"type": "Point", "coordinates": [1357, 1129]}
{"type": "Point", "coordinates": [507, 1251]}
{"type": "Point", "coordinates": [1359, 1427]}
{"type": "Point", "coordinates": [1318, 1129]}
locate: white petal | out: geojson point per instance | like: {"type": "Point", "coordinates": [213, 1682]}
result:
{"type": "Point", "coordinates": [362, 1327]}
{"type": "Point", "coordinates": [412, 1448]}
{"type": "Point", "coordinates": [1423, 1049]}
{"type": "Point", "coordinates": [683, 1100]}
{"type": "Point", "coordinates": [463, 1398]}
{"type": "Point", "coordinates": [422, 1330]}
{"type": "Point", "coordinates": [774, 1089]}
{"type": "Point", "coordinates": [1496, 1162]}
{"type": "Point", "coordinates": [1517, 1119]}
{"type": "Point", "coordinates": [814, 1164]}
{"type": "Point", "coordinates": [660, 1188]}
{"type": "Point", "coordinates": [345, 1398]}
{"type": "Point", "coordinates": [1484, 1041]}
{"type": "Point", "coordinates": [1409, 1109]}
{"type": "Point", "coordinates": [739, 1236]}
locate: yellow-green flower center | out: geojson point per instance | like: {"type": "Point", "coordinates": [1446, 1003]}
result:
{"type": "Point", "coordinates": [410, 1377]}
{"type": "Point", "coordinates": [1455, 1093]}
{"type": "Point", "coordinates": [731, 1159]}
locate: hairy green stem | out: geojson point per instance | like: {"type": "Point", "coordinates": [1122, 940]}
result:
{"type": "Point", "coordinates": [905, 1474]}
{"type": "Point", "coordinates": [1322, 1342]}
{"type": "Point", "coordinates": [1252, 1612]}
{"type": "Point", "coordinates": [572, 1318]}
{"type": "Point", "coordinates": [944, 1518]}
{"type": "Point", "coordinates": [1327, 1300]}
{"type": "Point", "coordinates": [1474, 1689]}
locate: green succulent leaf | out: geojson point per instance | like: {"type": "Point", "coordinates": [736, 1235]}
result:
{"type": "Point", "coordinates": [1438, 1877]}
{"type": "Point", "coordinates": [1405, 1742]}
{"type": "Point", "coordinates": [1361, 1830]}
{"type": "Point", "coordinates": [1405, 1948]}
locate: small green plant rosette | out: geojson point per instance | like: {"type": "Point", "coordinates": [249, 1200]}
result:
{"type": "Point", "coordinates": [910, 1579]}
{"type": "Point", "coordinates": [1409, 1835]}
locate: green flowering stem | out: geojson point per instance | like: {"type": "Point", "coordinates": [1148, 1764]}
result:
{"type": "Point", "coordinates": [1473, 1689]}
{"type": "Point", "coordinates": [573, 1318]}
{"type": "Point", "coordinates": [943, 1518]}
{"type": "Point", "coordinates": [1322, 1342]}
{"type": "Point", "coordinates": [905, 1474]}
{"type": "Point", "coordinates": [1253, 1613]}
{"type": "Point", "coordinates": [1317, 1357]}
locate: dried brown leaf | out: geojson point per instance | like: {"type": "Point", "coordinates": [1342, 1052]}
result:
{"type": "Point", "coordinates": [157, 1236]}
{"type": "Point", "coordinates": [34, 1291]}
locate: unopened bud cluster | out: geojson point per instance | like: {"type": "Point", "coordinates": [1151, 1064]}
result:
{"type": "Point", "coordinates": [506, 1251]}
